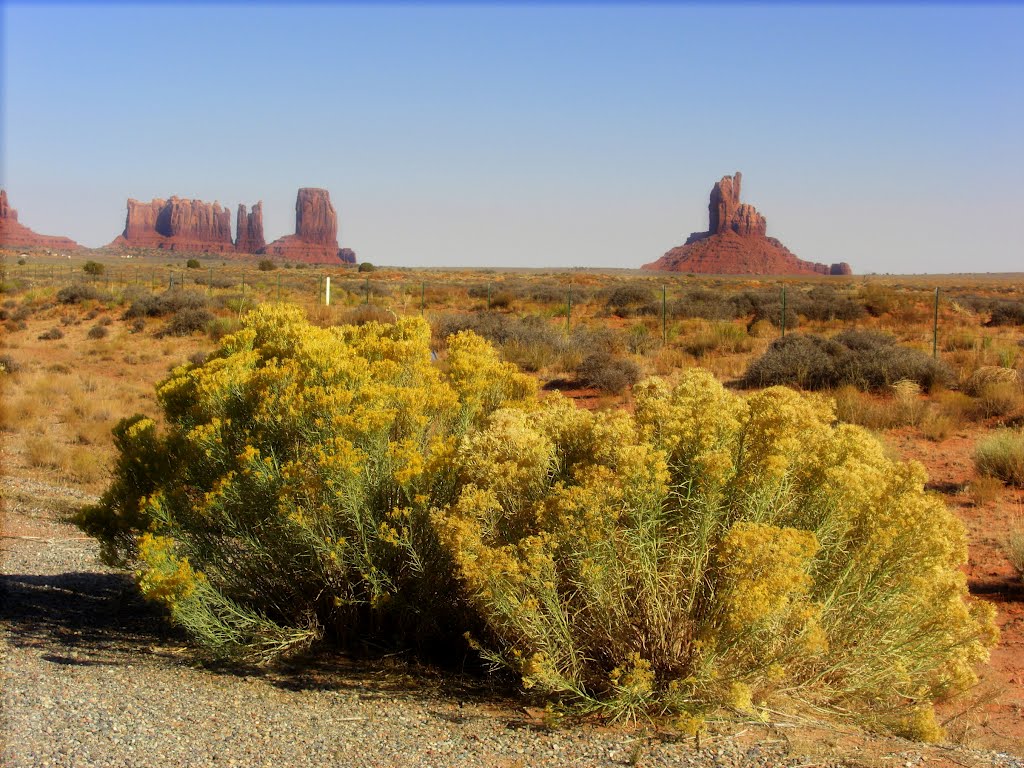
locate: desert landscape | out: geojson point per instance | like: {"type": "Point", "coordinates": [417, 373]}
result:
{"type": "Point", "coordinates": [508, 385]}
{"type": "Point", "coordinates": [86, 342]}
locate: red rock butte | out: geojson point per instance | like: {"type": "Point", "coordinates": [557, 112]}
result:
{"type": "Point", "coordinates": [316, 232]}
{"type": "Point", "coordinates": [194, 226]}
{"type": "Point", "coordinates": [736, 243]}
{"type": "Point", "coordinates": [14, 234]}
{"type": "Point", "coordinates": [249, 229]}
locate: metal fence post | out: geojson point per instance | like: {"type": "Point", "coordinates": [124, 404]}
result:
{"type": "Point", "coordinates": [935, 328]}
{"type": "Point", "coordinates": [783, 311]}
{"type": "Point", "coordinates": [664, 315]}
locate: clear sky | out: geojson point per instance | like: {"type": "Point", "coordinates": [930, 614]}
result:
{"type": "Point", "coordinates": [532, 134]}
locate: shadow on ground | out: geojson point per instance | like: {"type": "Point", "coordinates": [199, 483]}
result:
{"type": "Point", "coordinates": [90, 613]}
{"type": "Point", "coordinates": [91, 619]}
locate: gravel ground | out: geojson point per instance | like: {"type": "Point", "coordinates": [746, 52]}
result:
{"type": "Point", "coordinates": [93, 677]}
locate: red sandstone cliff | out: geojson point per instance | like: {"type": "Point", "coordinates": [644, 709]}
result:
{"type": "Point", "coordinates": [16, 235]}
{"type": "Point", "coordinates": [249, 229]}
{"type": "Point", "coordinates": [177, 225]}
{"type": "Point", "coordinates": [736, 243]}
{"type": "Point", "coordinates": [316, 231]}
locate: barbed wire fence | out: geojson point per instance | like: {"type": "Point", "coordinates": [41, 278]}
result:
{"type": "Point", "coordinates": [954, 328]}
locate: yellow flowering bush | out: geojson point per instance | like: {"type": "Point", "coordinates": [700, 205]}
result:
{"type": "Point", "coordinates": [292, 486]}
{"type": "Point", "coordinates": [707, 550]}
{"type": "Point", "coordinates": [713, 550]}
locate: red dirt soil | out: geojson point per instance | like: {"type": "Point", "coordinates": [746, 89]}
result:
{"type": "Point", "coordinates": [998, 721]}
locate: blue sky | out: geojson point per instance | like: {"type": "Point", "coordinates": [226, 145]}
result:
{"type": "Point", "coordinates": [533, 134]}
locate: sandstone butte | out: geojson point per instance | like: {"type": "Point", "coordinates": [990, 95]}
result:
{"type": "Point", "coordinates": [736, 243]}
{"type": "Point", "coordinates": [194, 226]}
{"type": "Point", "coordinates": [316, 232]}
{"type": "Point", "coordinates": [14, 234]}
{"type": "Point", "coordinates": [249, 229]}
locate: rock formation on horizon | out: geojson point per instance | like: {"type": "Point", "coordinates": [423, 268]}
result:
{"type": "Point", "coordinates": [194, 226]}
{"type": "Point", "coordinates": [736, 243]}
{"type": "Point", "coordinates": [316, 231]}
{"type": "Point", "coordinates": [14, 234]}
{"type": "Point", "coordinates": [249, 229]}
{"type": "Point", "coordinates": [177, 224]}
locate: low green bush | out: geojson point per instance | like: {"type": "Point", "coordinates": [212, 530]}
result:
{"type": "Point", "coordinates": [8, 365]}
{"type": "Point", "coordinates": [867, 360]}
{"type": "Point", "coordinates": [631, 300]}
{"type": "Point", "coordinates": [1007, 313]}
{"type": "Point", "coordinates": [169, 302]}
{"type": "Point", "coordinates": [709, 550]}
{"type": "Point", "coordinates": [530, 342]}
{"type": "Point", "coordinates": [608, 372]}
{"type": "Point", "coordinates": [186, 321]}
{"type": "Point", "coordinates": [76, 293]}
{"type": "Point", "coordinates": [93, 268]}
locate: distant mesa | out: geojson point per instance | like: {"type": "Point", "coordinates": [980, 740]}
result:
{"type": "Point", "coordinates": [194, 226]}
{"type": "Point", "coordinates": [190, 226]}
{"type": "Point", "coordinates": [16, 235]}
{"type": "Point", "coordinates": [736, 243]}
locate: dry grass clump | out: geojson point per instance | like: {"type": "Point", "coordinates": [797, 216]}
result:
{"type": "Point", "coordinates": [984, 490]}
{"type": "Point", "coordinates": [727, 338]}
{"type": "Point", "coordinates": [959, 340]}
{"type": "Point", "coordinates": [937, 425]}
{"type": "Point", "coordinates": [903, 407]}
{"type": "Point", "coordinates": [1001, 455]}
{"type": "Point", "coordinates": [856, 407]}
{"type": "Point", "coordinates": [366, 313]}
{"type": "Point", "coordinates": [1015, 546]}
{"type": "Point", "coordinates": [42, 451]}
{"type": "Point", "coordinates": [86, 465]}
{"type": "Point", "coordinates": [988, 375]}
{"type": "Point", "coordinates": [999, 399]}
